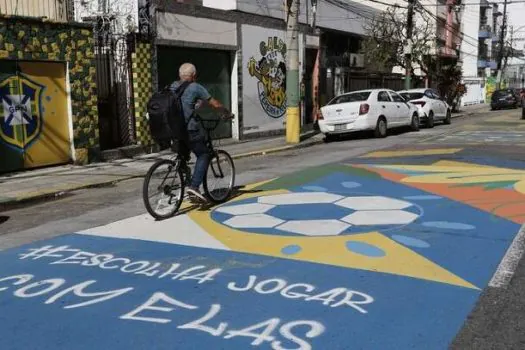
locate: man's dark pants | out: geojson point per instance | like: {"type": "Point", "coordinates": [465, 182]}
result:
{"type": "Point", "coordinates": [196, 143]}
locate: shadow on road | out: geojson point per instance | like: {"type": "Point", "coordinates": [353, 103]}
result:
{"type": "Point", "coordinates": [237, 192]}
{"type": "Point", "coordinates": [3, 219]}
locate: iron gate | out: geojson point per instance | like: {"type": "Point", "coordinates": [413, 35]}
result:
{"type": "Point", "coordinates": [113, 64]}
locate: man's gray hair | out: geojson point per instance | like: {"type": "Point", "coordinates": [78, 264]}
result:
{"type": "Point", "coordinates": [187, 70]}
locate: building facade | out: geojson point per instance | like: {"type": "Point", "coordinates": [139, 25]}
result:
{"type": "Point", "coordinates": [480, 49]}
{"type": "Point", "coordinates": [48, 109]}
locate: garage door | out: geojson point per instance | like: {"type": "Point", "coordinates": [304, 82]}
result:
{"type": "Point", "coordinates": [34, 118]}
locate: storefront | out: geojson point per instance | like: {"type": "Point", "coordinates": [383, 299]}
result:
{"type": "Point", "coordinates": [241, 59]}
{"type": "Point", "coordinates": [215, 77]}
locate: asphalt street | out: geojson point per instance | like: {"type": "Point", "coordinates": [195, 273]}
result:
{"type": "Point", "coordinates": [407, 242]}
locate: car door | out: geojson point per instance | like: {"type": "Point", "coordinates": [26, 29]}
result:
{"type": "Point", "coordinates": [440, 104]}
{"type": "Point", "coordinates": [387, 108]}
{"type": "Point", "coordinates": [433, 105]}
{"type": "Point", "coordinates": [403, 114]}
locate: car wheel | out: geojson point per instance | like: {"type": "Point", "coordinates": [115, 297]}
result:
{"type": "Point", "coordinates": [381, 129]}
{"type": "Point", "coordinates": [448, 118]}
{"type": "Point", "coordinates": [430, 120]}
{"type": "Point", "coordinates": [414, 124]}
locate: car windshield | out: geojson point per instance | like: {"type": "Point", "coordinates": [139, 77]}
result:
{"type": "Point", "coordinates": [409, 96]}
{"type": "Point", "coordinates": [501, 93]}
{"type": "Point", "coordinates": [351, 97]}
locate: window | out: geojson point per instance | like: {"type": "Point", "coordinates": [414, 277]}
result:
{"type": "Point", "coordinates": [429, 94]}
{"type": "Point", "coordinates": [351, 97]}
{"type": "Point", "coordinates": [409, 96]}
{"type": "Point", "coordinates": [396, 97]}
{"type": "Point", "coordinates": [436, 94]}
{"type": "Point", "coordinates": [383, 97]}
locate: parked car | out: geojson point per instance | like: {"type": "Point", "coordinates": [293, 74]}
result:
{"type": "Point", "coordinates": [431, 106]}
{"type": "Point", "coordinates": [504, 98]}
{"type": "Point", "coordinates": [377, 109]}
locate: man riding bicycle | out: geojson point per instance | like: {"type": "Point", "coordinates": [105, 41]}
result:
{"type": "Point", "coordinates": [191, 98]}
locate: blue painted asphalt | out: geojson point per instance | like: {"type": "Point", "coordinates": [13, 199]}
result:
{"type": "Point", "coordinates": [101, 297]}
{"type": "Point", "coordinates": [405, 312]}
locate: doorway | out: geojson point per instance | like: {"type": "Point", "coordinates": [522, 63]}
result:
{"type": "Point", "coordinates": [214, 69]}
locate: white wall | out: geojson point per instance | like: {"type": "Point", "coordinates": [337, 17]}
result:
{"type": "Point", "coordinates": [351, 21]}
{"type": "Point", "coordinates": [469, 44]}
{"type": "Point", "coordinates": [475, 92]}
{"type": "Point", "coordinates": [172, 26]}
{"type": "Point", "coordinates": [269, 8]}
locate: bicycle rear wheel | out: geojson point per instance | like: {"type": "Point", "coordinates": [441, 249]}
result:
{"type": "Point", "coordinates": [163, 181]}
{"type": "Point", "coordinates": [220, 177]}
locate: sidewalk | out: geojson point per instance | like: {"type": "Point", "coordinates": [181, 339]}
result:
{"type": "Point", "coordinates": [465, 111]}
{"type": "Point", "coordinates": [39, 184]}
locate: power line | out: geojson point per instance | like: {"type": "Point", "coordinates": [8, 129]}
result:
{"type": "Point", "coordinates": [474, 3]}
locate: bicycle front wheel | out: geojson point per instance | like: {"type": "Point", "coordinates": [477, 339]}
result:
{"type": "Point", "coordinates": [220, 177]}
{"type": "Point", "coordinates": [163, 189]}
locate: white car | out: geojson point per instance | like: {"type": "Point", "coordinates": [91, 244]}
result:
{"type": "Point", "coordinates": [431, 106]}
{"type": "Point", "coordinates": [378, 110]}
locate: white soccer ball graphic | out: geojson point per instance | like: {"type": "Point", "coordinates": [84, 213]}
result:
{"type": "Point", "coordinates": [316, 213]}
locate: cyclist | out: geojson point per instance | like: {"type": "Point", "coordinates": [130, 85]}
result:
{"type": "Point", "coordinates": [191, 99]}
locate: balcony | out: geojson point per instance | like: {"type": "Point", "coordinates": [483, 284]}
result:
{"type": "Point", "coordinates": [53, 10]}
{"type": "Point", "coordinates": [485, 32]}
{"type": "Point", "coordinates": [484, 63]}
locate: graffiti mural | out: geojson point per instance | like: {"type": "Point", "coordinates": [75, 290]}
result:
{"type": "Point", "coordinates": [270, 71]}
{"type": "Point", "coordinates": [34, 116]}
{"type": "Point", "coordinates": [264, 78]}
{"type": "Point", "coordinates": [398, 243]}
{"type": "Point", "coordinates": [21, 118]}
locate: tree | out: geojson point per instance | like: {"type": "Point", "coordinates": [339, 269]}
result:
{"type": "Point", "coordinates": [384, 49]}
{"type": "Point", "coordinates": [384, 46]}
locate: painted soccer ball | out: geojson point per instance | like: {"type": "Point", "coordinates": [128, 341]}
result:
{"type": "Point", "coordinates": [316, 214]}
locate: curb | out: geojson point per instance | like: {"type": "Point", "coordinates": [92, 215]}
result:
{"type": "Point", "coordinates": [41, 196]}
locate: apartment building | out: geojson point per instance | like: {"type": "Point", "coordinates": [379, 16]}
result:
{"type": "Point", "coordinates": [444, 16]}
{"type": "Point", "coordinates": [479, 49]}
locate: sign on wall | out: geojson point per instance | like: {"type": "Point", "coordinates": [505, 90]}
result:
{"type": "Point", "coordinates": [264, 78]}
{"type": "Point", "coordinates": [34, 119]}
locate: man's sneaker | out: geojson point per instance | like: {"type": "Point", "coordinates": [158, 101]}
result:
{"type": "Point", "coordinates": [195, 193]}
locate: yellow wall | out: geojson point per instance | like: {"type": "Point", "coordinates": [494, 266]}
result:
{"type": "Point", "coordinates": [54, 142]}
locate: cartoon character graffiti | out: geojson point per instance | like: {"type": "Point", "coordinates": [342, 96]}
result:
{"type": "Point", "coordinates": [270, 71]}
{"type": "Point", "coordinates": [20, 112]}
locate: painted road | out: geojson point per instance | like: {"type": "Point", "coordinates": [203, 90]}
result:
{"type": "Point", "coordinates": [387, 251]}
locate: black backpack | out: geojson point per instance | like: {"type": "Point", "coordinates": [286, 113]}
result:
{"type": "Point", "coordinates": [166, 117]}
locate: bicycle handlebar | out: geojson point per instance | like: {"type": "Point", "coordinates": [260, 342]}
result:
{"type": "Point", "coordinates": [215, 122]}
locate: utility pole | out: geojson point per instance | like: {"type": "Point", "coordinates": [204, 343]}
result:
{"type": "Point", "coordinates": [293, 120]}
{"type": "Point", "coordinates": [509, 52]}
{"type": "Point", "coordinates": [408, 49]}
{"type": "Point", "coordinates": [502, 43]}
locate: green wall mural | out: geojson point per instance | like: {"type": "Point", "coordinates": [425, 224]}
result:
{"type": "Point", "coordinates": [33, 39]}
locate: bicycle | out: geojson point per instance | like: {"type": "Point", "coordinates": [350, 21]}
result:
{"type": "Point", "coordinates": [178, 174]}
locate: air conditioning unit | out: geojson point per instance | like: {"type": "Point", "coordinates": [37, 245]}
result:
{"type": "Point", "coordinates": [357, 60]}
